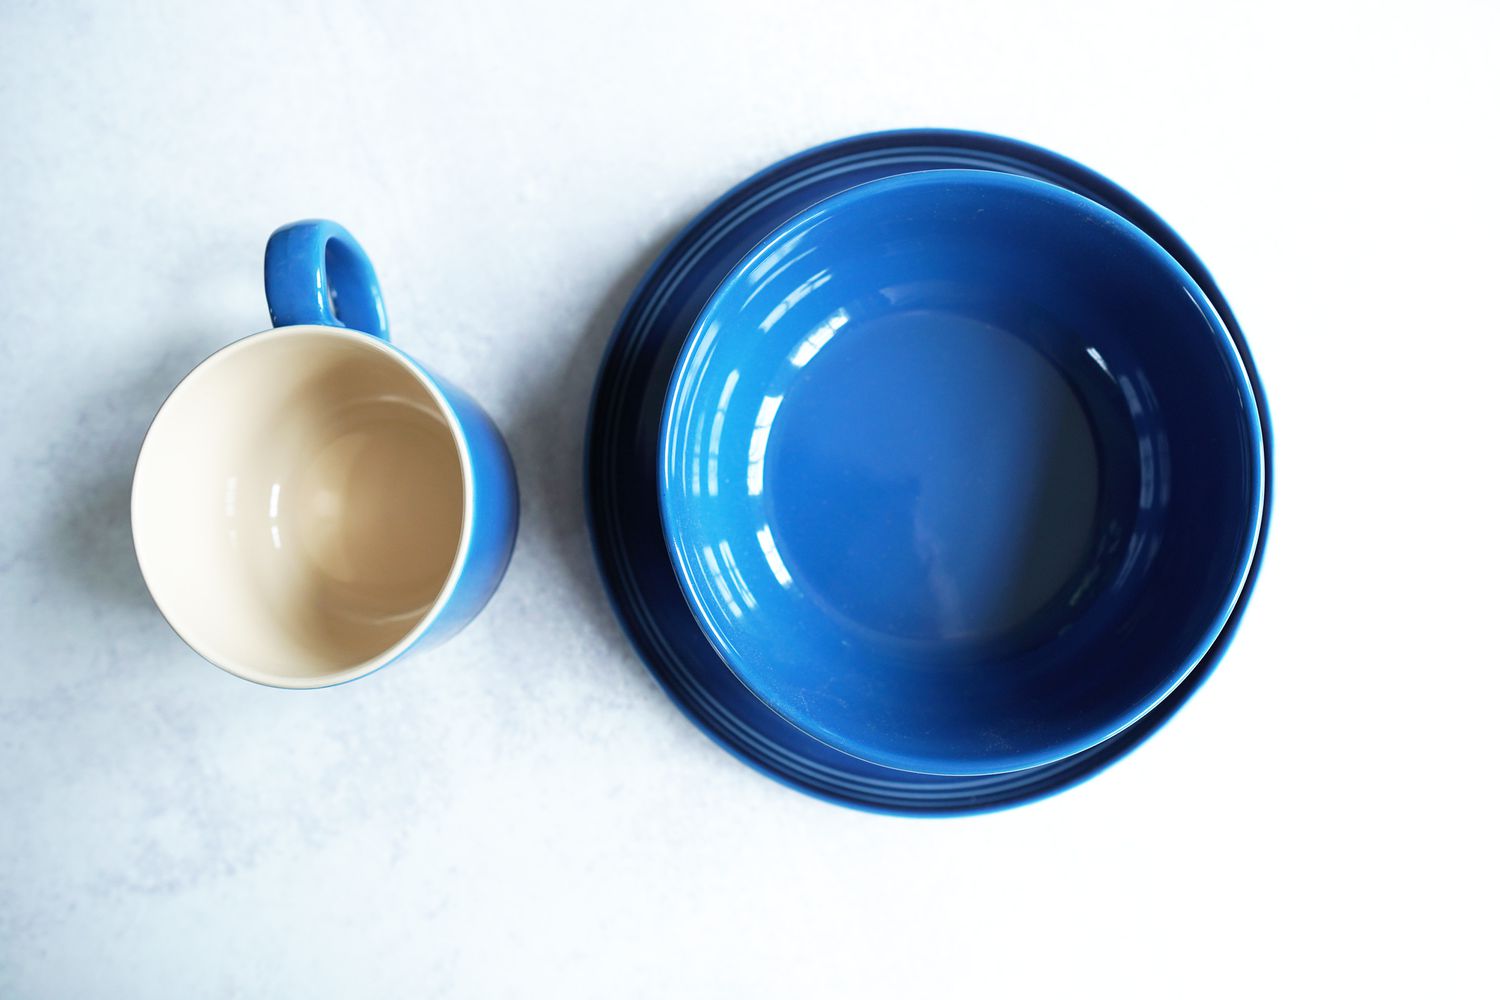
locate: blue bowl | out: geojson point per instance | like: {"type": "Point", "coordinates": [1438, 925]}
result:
{"type": "Point", "coordinates": [960, 472]}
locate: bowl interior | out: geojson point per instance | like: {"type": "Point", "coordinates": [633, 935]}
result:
{"type": "Point", "coordinates": [960, 472]}
{"type": "Point", "coordinates": [298, 505]}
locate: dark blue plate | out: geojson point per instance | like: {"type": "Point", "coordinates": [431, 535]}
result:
{"type": "Point", "coordinates": [621, 471]}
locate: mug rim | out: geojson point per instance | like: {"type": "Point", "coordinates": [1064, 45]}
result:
{"type": "Point", "coordinates": [460, 557]}
{"type": "Point", "coordinates": [677, 401]}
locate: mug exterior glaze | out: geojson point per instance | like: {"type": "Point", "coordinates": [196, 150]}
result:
{"type": "Point", "coordinates": [960, 473]}
{"type": "Point", "coordinates": [310, 503]}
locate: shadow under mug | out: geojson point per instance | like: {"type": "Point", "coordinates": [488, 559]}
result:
{"type": "Point", "coordinates": [310, 503]}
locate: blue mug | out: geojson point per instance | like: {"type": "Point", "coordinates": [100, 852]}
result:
{"type": "Point", "coordinates": [960, 472]}
{"type": "Point", "coordinates": [310, 503]}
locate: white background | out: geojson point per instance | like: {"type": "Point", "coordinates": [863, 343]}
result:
{"type": "Point", "coordinates": [523, 813]}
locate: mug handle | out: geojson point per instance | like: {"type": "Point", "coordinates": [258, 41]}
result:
{"type": "Point", "coordinates": [316, 273]}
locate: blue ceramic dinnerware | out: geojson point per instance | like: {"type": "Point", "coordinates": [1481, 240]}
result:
{"type": "Point", "coordinates": [960, 472]}
{"type": "Point", "coordinates": [622, 464]}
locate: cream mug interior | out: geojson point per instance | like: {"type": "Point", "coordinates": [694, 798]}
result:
{"type": "Point", "coordinates": [300, 506]}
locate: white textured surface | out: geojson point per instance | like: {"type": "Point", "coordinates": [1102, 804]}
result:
{"type": "Point", "coordinates": [523, 813]}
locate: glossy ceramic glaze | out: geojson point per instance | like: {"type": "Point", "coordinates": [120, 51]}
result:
{"type": "Point", "coordinates": [960, 472]}
{"type": "Point", "coordinates": [310, 503]}
{"type": "Point", "coordinates": [624, 515]}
